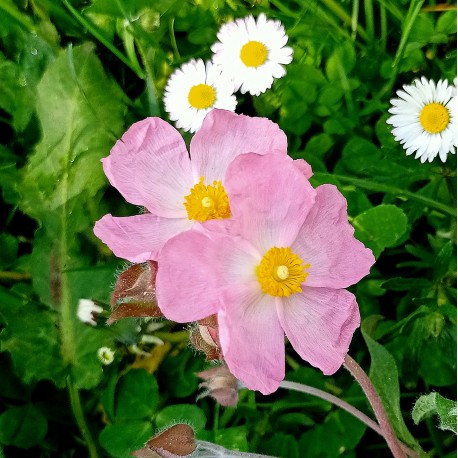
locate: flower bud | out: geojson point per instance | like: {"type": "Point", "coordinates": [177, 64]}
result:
{"type": "Point", "coordinates": [204, 337]}
{"type": "Point", "coordinates": [221, 385]}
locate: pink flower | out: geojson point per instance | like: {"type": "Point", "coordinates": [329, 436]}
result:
{"type": "Point", "coordinates": [150, 166]}
{"type": "Point", "coordinates": [278, 267]}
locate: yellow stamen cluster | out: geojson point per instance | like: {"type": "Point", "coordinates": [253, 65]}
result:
{"type": "Point", "coordinates": [207, 202]}
{"type": "Point", "coordinates": [253, 54]}
{"type": "Point", "coordinates": [434, 118]}
{"type": "Point", "coordinates": [202, 96]}
{"type": "Point", "coordinates": [281, 272]}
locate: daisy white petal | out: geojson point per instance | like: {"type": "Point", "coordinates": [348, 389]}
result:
{"type": "Point", "coordinates": [424, 119]}
{"type": "Point", "coordinates": [252, 53]}
{"type": "Point", "coordinates": [193, 90]}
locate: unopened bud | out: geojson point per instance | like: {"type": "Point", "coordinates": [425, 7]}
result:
{"type": "Point", "coordinates": [221, 385]}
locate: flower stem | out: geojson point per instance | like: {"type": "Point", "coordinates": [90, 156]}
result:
{"type": "Point", "coordinates": [387, 431]}
{"type": "Point", "coordinates": [294, 386]}
{"type": "Point", "coordinates": [78, 412]}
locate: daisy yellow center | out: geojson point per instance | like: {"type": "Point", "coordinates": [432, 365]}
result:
{"type": "Point", "coordinates": [253, 54]}
{"type": "Point", "coordinates": [281, 272]}
{"type": "Point", "coordinates": [207, 202]}
{"type": "Point", "coordinates": [434, 118]}
{"type": "Point", "coordinates": [202, 96]}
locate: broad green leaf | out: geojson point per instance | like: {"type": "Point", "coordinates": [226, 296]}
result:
{"type": "Point", "coordinates": [384, 376]}
{"type": "Point", "coordinates": [380, 227]}
{"type": "Point", "coordinates": [9, 250]}
{"type": "Point", "coordinates": [85, 120]}
{"type": "Point", "coordinates": [341, 62]}
{"type": "Point", "coordinates": [23, 427]}
{"type": "Point", "coordinates": [182, 413]}
{"type": "Point", "coordinates": [435, 404]}
{"type": "Point", "coordinates": [136, 395]}
{"type": "Point", "coordinates": [234, 438]}
{"type": "Point", "coordinates": [122, 438]}
{"type": "Point", "coordinates": [446, 23]}
{"type": "Point", "coordinates": [31, 337]}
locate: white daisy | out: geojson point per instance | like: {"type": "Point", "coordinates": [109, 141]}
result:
{"type": "Point", "coordinates": [105, 355]}
{"type": "Point", "coordinates": [252, 53]}
{"type": "Point", "coordinates": [193, 90]}
{"type": "Point", "coordinates": [87, 311]}
{"type": "Point", "coordinates": [424, 119]}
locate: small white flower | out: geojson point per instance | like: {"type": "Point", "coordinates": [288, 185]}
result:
{"type": "Point", "coordinates": [87, 311]}
{"type": "Point", "coordinates": [424, 119]}
{"type": "Point", "coordinates": [252, 53]}
{"type": "Point", "coordinates": [105, 355]}
{"type": "Point", "coordinates": [193, 90]}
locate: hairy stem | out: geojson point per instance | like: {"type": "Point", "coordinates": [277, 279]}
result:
{"type": "Point", "coordinates": [369, 390]}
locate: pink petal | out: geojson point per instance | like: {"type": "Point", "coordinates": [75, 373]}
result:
{"type": "Point", "coordinates": [326, 242]}
{"type": "Point", "coordinates": [224, 135]}
{"type": "Point", "coordinates": [196, 267]}
{"type": "Point", "coordinates": [138, 238]}
{"type": "Point", "coordinates": [304, 167]}
{"type": "Point", "coordinates": [150, 166]}
{"type": "Point", "coordinates": [252, 339]}
{"type": "Point", "coordinates": [320, 323]}
{"type": "Point", "coordinates": [188, 282]}
{"type": "Point", "coordinates": [270, 197]}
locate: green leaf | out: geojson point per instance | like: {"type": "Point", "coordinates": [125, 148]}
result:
{"type": "Point", "coordinates": [443, 260]}
{"type": "Point", "coordinates": [182, 413]}
{"type": "Point", "coordinates": [435, 404]}
{"type": "Point", "coordinates": [123, 438]}
{"type": "Point", "coordinates": [136, 395]}
{"type": "Point", "coordinates": [31, 338]}
{"type": "Point", "coordinates": [234, 438]}
{"type": "Point", "coordinates": [86, 120]}
{"type": "Point", "coordinates": [341, 62]}
{"type": "Point", "coordinates": [446, 23]}
{"type": "Point", "coordinates": [23, 427]}
{"type": "Point", "coordinates": [9, 250]}
{"type": "Point", "coordinates": [384, 376]}
{"type": "Point", "coordinates": [380, 227]}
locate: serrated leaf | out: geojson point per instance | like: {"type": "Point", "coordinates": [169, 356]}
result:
{"type": "Point", "coordinates": [384, 376]}
{"type": "Point", "coordinates": [435, 404]}
{"type": "Point", "coordinates": [380, 227]}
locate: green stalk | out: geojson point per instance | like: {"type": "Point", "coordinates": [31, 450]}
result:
{"type": "Point", "coordinates": [414, 10]}
{"type": "Point", "coordinates": [345, 17]}
{"type": "Point", "coordinates": [354, 19]}
{"type": "Point", "coordinates": [379, 187]}
{"type": "Point", "coordinates": [173, 41]}
{"type": "Point", "coordinates": [99, 35]}
{"type": "Point", "coordinates": [383, 27]}
{"type": "Point", "coordinates": [393, 9]}
{"type": "Point", "coordinates": [78, 412]}
{"type": "Point", "coordinates": [370, 25]}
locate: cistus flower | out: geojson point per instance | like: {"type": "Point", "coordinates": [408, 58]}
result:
{"type": "Point", "coordinates": [150, 166]}
{"type": "Point", "coordinates": [88, 311]}
{"type": "Point", "coordinates": [252, 53]}
{"type": "Point", "coordinates": [193, 90]}
{"type": "Point", "coordinates": [424, 119]}
{"type": "Point", "coordinates": [279, 266]}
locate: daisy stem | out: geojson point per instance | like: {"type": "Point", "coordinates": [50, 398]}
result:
{"type": "Point", "coordinates": [369, 390]}
{"type": "Point", "coordinates": [294, 386]}
{"type": "Point", "coordinates": [414, 9]}
{"type": "Point", "coordinates": [380, 187]}
{"type": "Point", "coordinates": [173, 40]}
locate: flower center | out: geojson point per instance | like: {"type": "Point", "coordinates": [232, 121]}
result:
{"type": "Point", "coordinates": [434, 118]}
{"type": "Point", "coordinates": [202, 96]}
{"type": "Point", "coordinates": [281, 272]}
{"type": "Point", "coordinates": [207, 202]}
{"type": "Point", "coordinates": [253, 54]}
